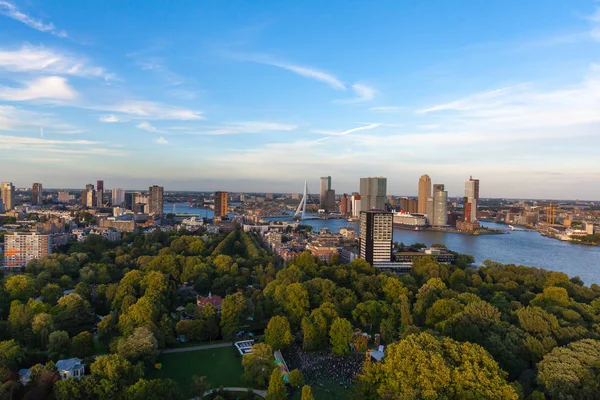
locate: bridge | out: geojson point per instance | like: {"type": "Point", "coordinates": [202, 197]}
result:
{"type": "Point", "coordinates": [301, 210]}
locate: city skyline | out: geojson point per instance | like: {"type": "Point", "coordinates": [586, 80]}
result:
{"type": "Point", "coordinates": [242, 97]}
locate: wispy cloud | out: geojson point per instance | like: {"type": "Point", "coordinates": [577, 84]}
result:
{"type": "Point", "coordinates": [157, 66]}
{"type": "Point", "coordinates": [150, 110]}
{"type": "Point", "coordinates": [50, 87]}
{"type": "Point", "coordinates": [307, 72]}
{"type": "Point", "coordinates": [110, 118]}
{"type": "Point", "coordinates": [6, 139]}
{"type": "Point", "coordinates": [161, 140]}
{"type": "Point", "coordinates": [43, 60]}
{"type": "Point", "coordinates": [349, 131]}
{"type": "Point", "coordinates": [386, 109]}
{"type": "Point", "coordinates": [146, 126]}
{"type": "Point", "coordinates": [236, 128]}
{"type": "Point", "coordinates": [32, 145]}
{"type": "Point", "coordinates": [362, 92]}
{"type": "Point", "coordinates": [10, 10]}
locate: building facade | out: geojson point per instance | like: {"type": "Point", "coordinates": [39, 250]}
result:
{"type": "Point", "coordinates": [36, 194]}
{"type": "Point", "coordinates": [221, 204]}
{"type": "Point", "coordinates": [99, 194]}
{"type": "Point", "coordinates": [471, 199]}
{"type": "Point", "coordinates": [155, 200]}
{"type": "Point", "coordinates": [424, 193]}
{"type": "Point", "coordinates": [8, 196]}
{"type": "Point", "coordinates": [373, 193]}
{"type": "Point", "coordinates": [118, 197]}
{"type": "Point", "coordinates": [437, 206]}
{"type": "Point", "coordinates": [376, 236]}
{"type": "Point", "coordinates": [22, 247]}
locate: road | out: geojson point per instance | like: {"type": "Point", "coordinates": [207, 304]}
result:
{"type": "Point", "coordinates": [194, 348]}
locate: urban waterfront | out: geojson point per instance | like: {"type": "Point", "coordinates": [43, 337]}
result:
{"type": "Point", "coordinates": [518, 247]}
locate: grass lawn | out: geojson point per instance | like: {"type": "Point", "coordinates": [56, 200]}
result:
{"type": "Point", "coordinates": [220, 365]}
{"type": "Point", "coordinates": [326, 392]}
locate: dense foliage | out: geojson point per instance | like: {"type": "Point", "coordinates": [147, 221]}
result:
{"type": "Point", "coordinates": [499, 331]}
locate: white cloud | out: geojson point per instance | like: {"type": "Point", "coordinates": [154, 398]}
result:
{"type": "Point", "coordinates": [363, 93]}
{"type": "Point", "coordinates": [151, 110]}
{"type": "Point", "coordinates": [386, 108]}
{"type": "Point", "coordinates": [349, 131]}
{"type": "Point", "coordinates": [236, 128]}
{"type": "Point", "coordinates": [40, 145]}
{"type": "Point", "coordinates": [4, 139]}
{"type": "Point", "coordinates": [110, 118]}
{"type": "Point", "coordinates": [43, 60]}
{"type": "Point", "coordinates": [146, 126]}
{"type": "Point", "coordinates": [161, 140]}
{"type": "Point", "coordinates": [13, 118]}
{"type": "Point", "coordinates": [50, 87]}
{"type": "Point", "coordinates": [11, 11]}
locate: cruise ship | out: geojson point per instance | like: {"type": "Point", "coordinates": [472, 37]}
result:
{"type": "Point", "coordinates": [409, 221]}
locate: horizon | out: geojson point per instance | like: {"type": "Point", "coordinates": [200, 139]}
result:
{"type": "Point", "coordinates": [250, 96]}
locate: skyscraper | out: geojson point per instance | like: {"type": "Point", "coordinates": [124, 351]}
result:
{"type": "Point", "coordinates": [221, 204]}
{"type": "Point", "coordinates": [327, 195]}
{"type": "Point", "coordinates": [129, 199]}
{"type": "Point", "coordinates": [88, 197]}
{"type": "Point", "coordinates": [376, 234]}
{"type": "Point", "coordinates": [99, 193]}
{"type": "Point", "coordinates": [36, 194]}
{"type": "Point", "coordinates": [356, 205]}
{"type": "Point", "coordinates": [118, 197]}
{"type": "Point", "coordinates": [344, 204]}
{"type": "Point", "coordinates": [438, 206]}
{"type": "Point", "coordinates": [22, 247]}
{"type": "Point", "coordinates": [471, 199]}
{"type": "Point", "coordinates": [373, 193]}
{"type": "Point", "coordinates": [424, 193]}
{"type": "Point", "coordinates": [155, 203]}
{"type": "Point", "coordinates": [8, 195]}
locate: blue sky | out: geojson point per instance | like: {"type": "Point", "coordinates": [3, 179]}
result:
{"type": "Point", "coordinates": [260, 96]}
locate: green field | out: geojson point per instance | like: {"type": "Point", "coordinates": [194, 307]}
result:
{"type": "Point", "coordinates": [220, 365]}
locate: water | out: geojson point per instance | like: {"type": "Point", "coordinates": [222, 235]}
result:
{"type": "Point", "coordinates": [518, 247]}
{"type": "Point", "coordinates": [185, 208]}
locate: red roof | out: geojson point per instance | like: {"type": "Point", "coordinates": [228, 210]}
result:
{"type": "Point", "coordinates": [214, 300]}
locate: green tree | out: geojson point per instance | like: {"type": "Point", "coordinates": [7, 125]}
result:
{"type": "Point", "coordinates": [278, 334]}
{"type": "Point", "coordinates": [140, 346]}
{"type": "Point", "coordinates": [258, 364]}
{"type": "Point", "coordinates": [155, 389]}
{"type": "Point", "coordinates": [340, 336]}
{"type": "Point", "coordinates": [11, 354]}
{"type": "Point", "coordinates": [200, 385]}
{"type": "Point", "coordinates": [74, 314]}
{"type": "Point", "coordinates": [276, 390]}
{"type": "Point", "coordinates": [572, 371]}
{"type": "Point", "coordinates": [42, 326]}
{"type": "Point", "coordinates": [113, 373]}
{"type": "Point", "coordinates": [314, 331]}
{"type": "Point", "coordinates": [59, 343]}
{"type": "Point", "coordinates": [307, 393]}
{"type": "Point", "coordinates": [70, 389]}
{"type": "Point", "coordinates": [295, 303]}
{"type": "Point", "coordinates": [296, 378]}
{"type": "Point", "coordinates": [233, 313]}
{"type": "Point", "coordinates": [422, 366]}
{"type": "Point", "coordinates": [82, 345]}
{"type": "Point", "coordinates": [20, 287]}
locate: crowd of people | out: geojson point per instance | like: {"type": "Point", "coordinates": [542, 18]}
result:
{"type": "Point", "coordinates": [323, 368]}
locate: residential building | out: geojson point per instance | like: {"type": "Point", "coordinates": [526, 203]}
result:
{"type": "Point", "coordinates": [376, 234]}
{"type": "Point", "coordinates": [36, 194]}
{"type": "Point", "coordinates": [128, 199]}
{"type": "Point", "coordinates": [215, 301]}
{"type": "Point", "coordinates": [22, 247]}
{"type": "Point", "coordinates": [437, 206]}
{"type": "Point", "coordinates": [344, 204]}
{"type": "Point", "coordinates": [373, 193]}
{"type": "Point", "coordinates": [119, 226]}
{"type": "Point", "coordinates": [155, 200]}
{"type": "Point", "coordinates": [99, 194]}
{"type": "Point", "coordinates": [91, 198]}
{"type": "Point", "coordinates": [65, 197]}
{"type": "Point", "coordinates": [471, 199]}
{"type": "Point", "coordinates": [118, 197]}
{"type": "Point", "coordinates": [424, 193]}
{"type": "Point", "coordinates": [8, 196]}
{"type": "Point", "coordinates": [71, 368]}
{"type": "Point", "coordinates": [221, 204]}
{"type": "Point", "coordinates": [321, 252]}
{"type": "Point", "coordinates": [356, 205]}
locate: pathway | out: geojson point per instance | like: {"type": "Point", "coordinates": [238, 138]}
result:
{"type": "Point", "coordinates": [194, 348]}
{"type": "Point", "coordinates": [261, 393]}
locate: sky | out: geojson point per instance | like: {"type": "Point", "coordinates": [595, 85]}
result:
{"type": "Point", "coordinates": [262, 95]}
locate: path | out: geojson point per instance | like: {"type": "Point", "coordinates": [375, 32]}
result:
{"type": "Point", "coordinates": [261, 393]}
{"type": "Point", "coordinates": [194, 348]}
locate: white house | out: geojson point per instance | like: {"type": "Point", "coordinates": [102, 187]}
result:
{"type": "Point", "coordinates": [71, 368]}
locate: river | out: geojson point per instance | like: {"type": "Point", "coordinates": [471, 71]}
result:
{"type": "Point", "coordinates": [518, 247]}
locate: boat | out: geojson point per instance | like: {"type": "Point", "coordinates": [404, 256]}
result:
{"type": "Point", "coordinates": [417, 228]}
{"type": "Point", "coordinates": [352, 219]}
{"type": "Point", "coordinates": [512, 228]}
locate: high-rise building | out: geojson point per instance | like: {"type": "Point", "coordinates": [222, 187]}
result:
{"type": "Point", "coordinates": [91, 199]}
{"type": "Point", "coordinates": [64, 196]}
{"type": "Point", "coordinates": [356, 205]}
{"type": "Point", "coordinates": [118, 197]}
{"type": "Point", "coordinates": [129, 199]}
{"type": "Point", "coordinates": [22, 247]}
{"type": "Point", "coordinates": [221, 204]}
{"type": "Point", "coordinates": [437, 206]}
{"type": "Point", "coordinates": [99, 194]}
{"type": "Point", "coordinates": [8, 196]}
{"type": "Point", "coordinates": [36, 194]}
{"type": "Point", "coordinates": [424, 193]}
{"type": "Point", "coordinates": [344, 204]}
{"type": "Point", "coordinates": [413, 206]}
{"type": "Point", "coordinates": [376, 236]}
{"type": "Point", "coordinates": [373, 193]}
{"type": "Point", "coordinates": [155, 202]}
{"type": "Point", "coordinates": [471, 199]}
{"type": "Point", "coordinates": [327, 195]}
